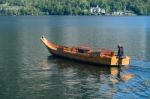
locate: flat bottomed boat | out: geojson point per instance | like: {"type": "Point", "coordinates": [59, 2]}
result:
{"type": "Point", "coordinates": [87, 55]}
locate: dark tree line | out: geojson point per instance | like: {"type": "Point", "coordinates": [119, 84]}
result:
{"type": "Point", "coordinates": [71, 7]}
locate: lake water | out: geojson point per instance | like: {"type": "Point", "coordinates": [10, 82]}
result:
{"type": "Point", "coordinates": [28, 71]}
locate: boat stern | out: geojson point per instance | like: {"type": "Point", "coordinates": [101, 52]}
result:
{"type": "Point", "coordinates": [125, 60]}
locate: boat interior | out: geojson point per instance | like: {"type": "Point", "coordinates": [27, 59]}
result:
{"type": "Point", "coordinates": [81, 50]}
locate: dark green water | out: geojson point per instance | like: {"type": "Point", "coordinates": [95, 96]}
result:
{"type": "Point", "coordinates": [28, 71]}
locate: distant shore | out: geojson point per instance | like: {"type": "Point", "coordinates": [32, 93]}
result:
{"type": "Point", "coordinates": [74, 7]}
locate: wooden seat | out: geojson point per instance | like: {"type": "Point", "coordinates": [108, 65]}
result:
{"type": "Point", "coordinates": [106, 52]}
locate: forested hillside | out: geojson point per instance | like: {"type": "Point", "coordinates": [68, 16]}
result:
{"type": "Point", "coordinates": [71, 7]}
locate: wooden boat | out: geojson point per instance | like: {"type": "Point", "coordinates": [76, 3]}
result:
{"type": "Point", "coordinates": [102, 57]}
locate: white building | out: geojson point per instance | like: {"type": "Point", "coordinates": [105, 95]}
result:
{"type": "Point", "coordinates": [97, 11]}
{"type": "Point", "coordinates": [117, 13]}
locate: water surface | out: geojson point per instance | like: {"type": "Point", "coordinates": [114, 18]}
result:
{"type": "Point", "coordinates": [28, 71]}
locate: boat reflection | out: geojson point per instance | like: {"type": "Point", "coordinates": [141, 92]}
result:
{"type": "Point", "coordinates": [116, 74]}
{"type": "Point", "coordinates": [119, 74]}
